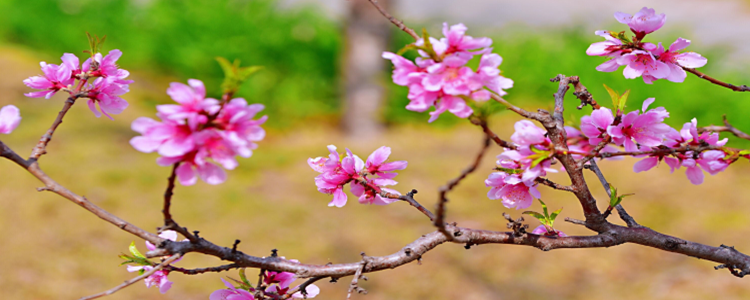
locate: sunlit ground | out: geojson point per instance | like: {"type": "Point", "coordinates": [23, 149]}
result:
{"type": "Point", "coordinates": [53, 249]}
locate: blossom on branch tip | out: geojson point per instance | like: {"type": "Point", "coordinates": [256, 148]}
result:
{"type": "Point", "coordinates": [200, 132]}
{"type": "Point", "coordinates": [675, 60]}
{"type": "Point", "coordinates": [367, 178]}
{"type": "Point", "coordinates": [645, 21]}
{"type": "Point", "coordinates": [440, 77]}
{"type": "Point", "coordinates": [10, 117]}
{"type": "Point", "coordinates": [55, 78]}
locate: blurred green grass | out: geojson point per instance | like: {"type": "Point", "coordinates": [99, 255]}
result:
{"type": "Point", "coordinates": [54, 249]}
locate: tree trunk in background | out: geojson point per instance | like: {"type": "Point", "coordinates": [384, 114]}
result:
{"type": "Point", "coordinates": [367, 34]}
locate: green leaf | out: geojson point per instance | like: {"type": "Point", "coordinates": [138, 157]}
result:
{"type": "Point", "coordinates": [623, 99]}
{"type": "Point", "coordinates": [619, 199]}
{"type": "Point", "coordinates": [135, 251]}
{"type": "Point", "coordinates": [554, 216]}
{"type": "Point", "coordinates": [537, 215]}
{"type": "Point", "coordinates": [537, 160]}
{"type": "Point", "coordinates": [744, 152]}
{"type": "Point", "coordinates": [242, 276]}
{"type": "Point", "coordinates": [509, 171]}
{"type": "Point", "coordinates": [245, 72]}
{"type": "Point", "coordinates": [614, 95]}
{"type": "Point", "coordinates": [234, 76]}
{"type": "Point", "coordinates": [544, 207]}
{"type": "Point", "coordinates": [407, 48]}
{"type": "Point", "coordinates": [612, 196]}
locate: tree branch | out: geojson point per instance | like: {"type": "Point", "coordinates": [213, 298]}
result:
{"type": "Point", "coordinates": [726, 128]}
{"type": "Point", "coordinates": [217, 269]}
{"type": "Point", "coordinates": [439, 220]}
{"type": "Point", "coordinates": [395, 21]}
{"type": "Point", "coordinates": [620, 210]}
{"type": "Point", "coordinates": [741, 88]}
{"type": "Point", "coordinates": [41, 147]}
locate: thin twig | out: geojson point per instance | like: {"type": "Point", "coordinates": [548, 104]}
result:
{"type": "Point", "coordinates": [620, 210]}
{"type": "Point", "coordinates": [500, 142]}
{"type": "Point", "coordinates": [134, 280]}
{"type": "Point", "coordinates": [354, 286]}
{"type": "Point", "coordinates": [409, 198]}
{"type": "Point", "coordinates": [726, 128]}
{"type": "Point", "coordinates": [439, 219]}
{"type": "Point", "coordinates": [41, 147]}
{"type": "Point", "coordinates": [741, 88]}
{"type": "Point", "coordinates": [554, 185]}
{"type": "Point", "coordinates": [168, 195]}
{"type": "Point", "coordinates": [583, 94]}
{"type": "Point", "coordinates": [395, 21]}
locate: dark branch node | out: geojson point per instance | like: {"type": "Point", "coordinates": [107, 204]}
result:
{"type": "Point", "coordinates": [234, 247]}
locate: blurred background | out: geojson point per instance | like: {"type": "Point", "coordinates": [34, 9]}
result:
{"type": "Point", "coordinates": [325, 83]}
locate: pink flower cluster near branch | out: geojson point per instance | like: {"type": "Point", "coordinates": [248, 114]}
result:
{"type": "Point", "coordinates": [159, 278]}
{"type": "Point", "coordinates": [648, 60]}
{"type": "Point", "coordinates": [10, 117]}
{"type": "Point", "coordinates": [645, 131]}
{"type": "Point", "coordinates": [99, 79]}
{"type": "Point", "coordinates": [515, 183]}
{"type": "Point", "coordinates": [277, 285]}
{"type": "Point", "coordinates": [440, 77]}
{"type": "Point", "coordinates": [711, 161]}
{"type": "Point", "coordinates": [367, 178]}
{"type": "Point", "coordinates": [199, 130]}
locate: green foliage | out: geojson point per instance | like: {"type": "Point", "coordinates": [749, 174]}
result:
{"type": "Point", "coordinates": [618, 101]}
{"type": "Point", "coordinates": [545, 218]}
{"type": "Point", "coordinates": [234, 75]}
{"type": "Point", "coordinates": [615, 199]}
{"type": "Point", "coordinates": [180, 38]}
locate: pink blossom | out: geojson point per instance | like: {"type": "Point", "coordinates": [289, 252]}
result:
{"type": "Point", "coordinates": [542, 230]}
{"type": "Point", "coordinates": [237, 127]}
{"type": "Point", "coordinates": [512, 190]}
{"type": "Point", "coordinates": [612, 45]}
{"type": "Point", "coordinates": [489, 74]}
{"type": "Point", "coordinates": [445, 81]}
{"type": "Point", "coordinates": [231, 293]}
{"type": "Point", "coordinates": [168, 137]}
{"type": "Point", "coordinates": [595, 126]}
{"type": "Point", "coordinates": [10, 117]}
{"type": "Point", "coordinates": [645, 129]}
{"type": "Point", "coordinates": [279, 282]}
{"type": "Point", "coordinates": [405, 72]}
{"type": "Point", "coordinates": [676, 60]}
{"type": "Point", "coordinates": [456, 44]}
{"type": "Point", "coordinates": [55, 78]}
{"type": "Point", "coordinates": [643, 22]}
{"type": "Point", "coordinates": [368, 178]}
{"type": "Point", "coordinates": [199, 132]}
{"type": "Point", "coordinates": [106, 93]}
{"type": "Point", "coordinates": [642, 63]}
{"type": "Point", "coordinates": [159, 278]}
{"type": "Point", "coordinates": [527, 133]}
{"type": "Point", "coordinates": [108, 67]}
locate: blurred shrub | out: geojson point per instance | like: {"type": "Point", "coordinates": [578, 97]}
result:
{"type": "Point", "coordinates": [181, 38]}
{"type": "Point", "coordinates": [300, 50]}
